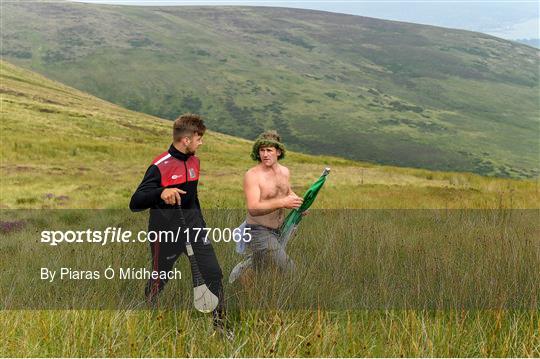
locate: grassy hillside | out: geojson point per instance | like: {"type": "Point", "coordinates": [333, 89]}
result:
{"type": "Point", "coordinates": [62, 148]}
{"type": "Point", "coordinates": [361, 88]}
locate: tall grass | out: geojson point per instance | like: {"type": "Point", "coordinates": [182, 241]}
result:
{"type": "Point", "coordinates": [368, 283]}
{"type": "Point", "coordinates": [170, 333]}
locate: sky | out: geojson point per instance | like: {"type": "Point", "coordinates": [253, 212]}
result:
{"type": "Point", "coordinates": [508, 19]}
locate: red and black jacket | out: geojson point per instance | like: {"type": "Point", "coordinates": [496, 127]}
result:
{"type": "Point", "coordinates": [171, 169]}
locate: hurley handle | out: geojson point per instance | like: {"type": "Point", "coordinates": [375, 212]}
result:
{"type": "Point", "coordinates": [195, 272]}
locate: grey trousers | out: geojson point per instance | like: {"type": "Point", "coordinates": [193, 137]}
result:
{"type": "Point", "coordinates": [266, 249]}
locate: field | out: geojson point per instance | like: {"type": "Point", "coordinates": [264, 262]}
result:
{"type": "Point", "coordinates": [266, 333]}
{"type": "Point", "coordinates": [469, 242]}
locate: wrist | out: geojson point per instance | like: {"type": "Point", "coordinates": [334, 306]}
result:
{"type": "Point", "coordinates": [159, 191]}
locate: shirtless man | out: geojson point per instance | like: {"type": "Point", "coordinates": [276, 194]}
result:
{"type": "Point", "coordinates": [268, 192]}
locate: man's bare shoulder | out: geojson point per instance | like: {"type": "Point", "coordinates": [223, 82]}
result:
{"type": "Point", "coordinates": [253, 172]}
{"type": "Point", "coordinates": [284, 170]}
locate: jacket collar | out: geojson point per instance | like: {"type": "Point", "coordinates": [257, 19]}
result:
{"type": "Point", "coordinates": [178, 155]}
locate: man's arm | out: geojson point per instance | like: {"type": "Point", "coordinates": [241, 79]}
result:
{"type": "Point", "coordinates": [148, 194]}
{"type": "Point", "coordinates": [257, 206]}
{"type": "Point", "coordinates": [291, 192]}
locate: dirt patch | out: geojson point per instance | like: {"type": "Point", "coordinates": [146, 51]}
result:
{"type": "Point", "coordinates": [47, 110]}
{"type": "Point", "coordinates": [11, 226]}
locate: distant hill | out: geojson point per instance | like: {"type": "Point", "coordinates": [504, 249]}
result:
{"type": "Point", "coordinates": [530, 42]}
{"type": "Point", "coordinates": [366, 89]}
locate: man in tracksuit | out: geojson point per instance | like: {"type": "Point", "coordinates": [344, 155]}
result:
{"type": "Point", "coordinates": [171, 180]}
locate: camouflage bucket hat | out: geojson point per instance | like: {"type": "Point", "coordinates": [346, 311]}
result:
{"type": "Point", "coordinates": [267, 139]}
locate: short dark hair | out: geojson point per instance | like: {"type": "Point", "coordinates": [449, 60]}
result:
{"type": "Point", "coordinates": [187, 125]}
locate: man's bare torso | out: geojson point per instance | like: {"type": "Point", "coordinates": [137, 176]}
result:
{"type": "Point", "coordinates": [273, 184]}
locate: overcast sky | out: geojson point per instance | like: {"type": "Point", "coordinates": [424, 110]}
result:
{"type": "Point", "coordinates": [509, 19]}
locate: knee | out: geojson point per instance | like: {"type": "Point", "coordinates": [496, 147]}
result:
{"type": "Point", "coordinates": [287, 265]}
{"type": "Point", "coordinates": [283, 261]}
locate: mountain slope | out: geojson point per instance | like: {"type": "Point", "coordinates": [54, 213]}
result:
{"type": "Point", "coordinates": [363, 88]}
{"type": "Point", "coordinates": [61, 148]}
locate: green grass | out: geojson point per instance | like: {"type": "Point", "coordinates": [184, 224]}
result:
{"type": "Point", "coordinates": [369, 283]}
{"type": "Point", "coordinates": [273, 334]}
{"type": "Point", "coordinates": [366, 89]}
{"type": "Point", "coordinates": [56, 141]}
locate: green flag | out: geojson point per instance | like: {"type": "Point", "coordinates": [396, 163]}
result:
{"type": "Point", "coordinates": [295, 216]}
